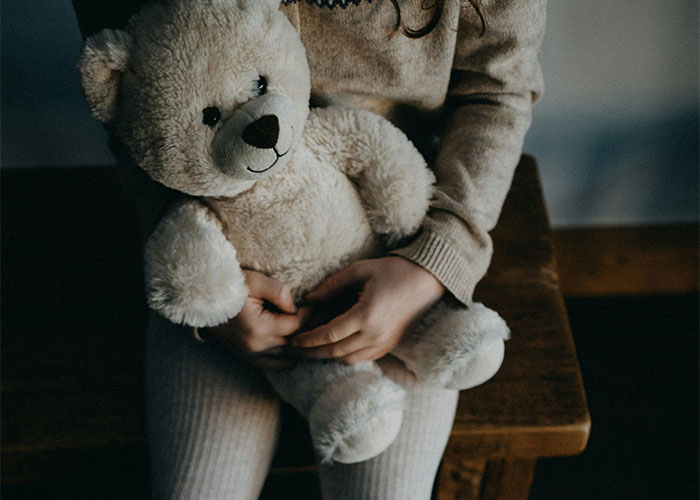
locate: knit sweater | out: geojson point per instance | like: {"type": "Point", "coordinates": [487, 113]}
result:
{"type": "Point", "coordinates": [463, 93]}
{"type": "Point", "coordinates": [465, 87]}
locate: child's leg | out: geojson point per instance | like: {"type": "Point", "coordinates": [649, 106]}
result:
{"type": "Point", "coordinates": [212, 421]}
{"type": "Point", "coordinates": [406, 470]}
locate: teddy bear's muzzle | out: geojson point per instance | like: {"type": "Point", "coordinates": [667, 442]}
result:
{"type": "Point", "coordinates": [256, 139]}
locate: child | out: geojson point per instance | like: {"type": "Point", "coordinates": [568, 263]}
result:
{"type": "Point", "coordinates": [460, 78]}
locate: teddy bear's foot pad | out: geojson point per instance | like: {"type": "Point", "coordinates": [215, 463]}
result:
{"type": "Point", "coordinates": [484, 364]}
{"type": "Point", "coordinates": [375, 436]}
{"type": "Point", "coordinates": [457, 347]}
{"type": "Point", "coordinates": [357, 420]}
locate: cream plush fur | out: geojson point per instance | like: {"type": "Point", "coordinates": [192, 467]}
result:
{"type": "Point", "coordinates": [211, 98]}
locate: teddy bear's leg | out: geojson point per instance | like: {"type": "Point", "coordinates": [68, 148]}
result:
{"type": "Point", "coordinates": [454, 346]}
{"type": "Point", "coordinates": [354, 411]}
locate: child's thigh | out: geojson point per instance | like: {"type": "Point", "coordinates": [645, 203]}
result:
{"type": "Point", "coordinates": [213, 421]}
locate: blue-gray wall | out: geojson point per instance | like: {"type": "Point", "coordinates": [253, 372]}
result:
{"type": "Point", "coordinates": [616, 135]}
{"type": "Point", "coordinates": [44, 118]}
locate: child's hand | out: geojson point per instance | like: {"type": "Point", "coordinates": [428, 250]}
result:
{"type": "Point", "coordinates": [259, 332]}
{"type": "Point", "coordinates": [393, 292]}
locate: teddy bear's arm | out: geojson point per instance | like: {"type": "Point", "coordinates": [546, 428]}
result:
{"type": "Point", "coordinates": [192, 274]}
{"type": "Point", "coordinates": [392, 176]}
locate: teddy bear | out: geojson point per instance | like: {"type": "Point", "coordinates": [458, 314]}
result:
{"type": "Point", "coordinates": [211, 99]}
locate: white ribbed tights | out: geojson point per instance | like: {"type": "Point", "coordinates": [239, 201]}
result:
{"type": "Point", "coordinates": [213, 425]}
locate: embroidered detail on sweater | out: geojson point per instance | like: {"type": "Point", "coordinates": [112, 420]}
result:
{"type": "Point", "coordinates": [331, 4]}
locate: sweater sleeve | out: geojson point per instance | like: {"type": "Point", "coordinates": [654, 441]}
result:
{"type": "Point", "coordinates": [496, 79]}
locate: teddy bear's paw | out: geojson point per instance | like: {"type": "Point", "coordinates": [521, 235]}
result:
{"type": "Point", "coordinates": [463, 348]}
{"type": "Point", "coordinates": [192, 275]}
{"type": "Point", "coordinates": [357, 419]}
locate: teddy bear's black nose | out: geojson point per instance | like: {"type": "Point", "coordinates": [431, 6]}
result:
{"type": "Point", "coordinates": [263, 132]}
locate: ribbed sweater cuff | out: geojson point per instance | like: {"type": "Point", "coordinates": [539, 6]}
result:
{"type": "Point", "coordinates": [431, 252]}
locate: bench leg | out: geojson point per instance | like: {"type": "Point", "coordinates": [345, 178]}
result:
{"type": "Point", "coordinates": [508, 479]}
{"type": "Point", "coordinates": [461, 479]}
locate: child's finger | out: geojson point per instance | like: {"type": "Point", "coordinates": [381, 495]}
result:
{"type": "Point", "coordinates": [365, 354]}
{"type": "Point", "coordinates": [302, 315]}
{"type": "Point", "coordinates": [349, 345]}
{"type": "Point", "coordinates": [336, 330]}
{"type": "Point", "coordinates": [282, 325]}
{"type": "Point", "coordinates": [272, 290]}
{"type": "Point", "coordinates": [338, 283]}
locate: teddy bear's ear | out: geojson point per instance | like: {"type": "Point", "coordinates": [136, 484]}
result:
{"type": "Point", "coordinates": [104, 58]}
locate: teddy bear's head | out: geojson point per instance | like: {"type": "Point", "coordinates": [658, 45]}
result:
{"type": "Point", "coordinates": [208, 95]}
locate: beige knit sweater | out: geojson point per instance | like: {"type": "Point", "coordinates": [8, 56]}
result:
{"type": "Point", "coordinates": [485, 84]}
{"type": "Point", "coordinates": [462, 94]}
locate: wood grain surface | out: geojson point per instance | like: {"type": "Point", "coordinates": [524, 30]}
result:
{"type": "Point", "coordinates": [640, 260]}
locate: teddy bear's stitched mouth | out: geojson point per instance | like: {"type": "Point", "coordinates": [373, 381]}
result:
{"type": "Point", "coordinates": [276, 159]}
{"type": "Point", "coordinates": [273, 163]}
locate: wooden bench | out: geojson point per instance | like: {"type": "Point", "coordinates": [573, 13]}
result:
{"type": "Point", "coordinates": [73, 338]}
{"type": "Point", "coordinates": [535, 406]}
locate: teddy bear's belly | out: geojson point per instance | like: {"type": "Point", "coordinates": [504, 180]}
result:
{"type": "Point", "coordinates": [310, 225]}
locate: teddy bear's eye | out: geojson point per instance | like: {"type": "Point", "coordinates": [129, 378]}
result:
{"type": "Point", "coordinates": [211, 116]}
{"type": "Point", "coordinates": [261, 85]}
